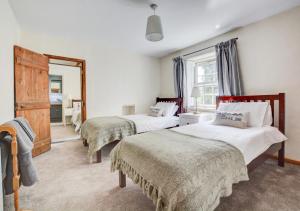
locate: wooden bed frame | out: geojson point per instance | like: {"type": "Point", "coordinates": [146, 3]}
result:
{"type": "Point", "coordinates": [178, 101]}
{"type": "Point", "coordinates": [275, 148]}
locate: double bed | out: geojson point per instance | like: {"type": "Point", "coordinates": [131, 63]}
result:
{"type": "Point", "coordinates": [192, 167]}
{"type": "Point", "coordinates": [100, 131]}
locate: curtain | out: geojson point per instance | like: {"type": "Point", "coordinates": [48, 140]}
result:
{"type": "Point", "coordinates": [179, 76]}
{"type": "Point", "coordinates": [188, 101]}
{"type": "Point", "coordinates": [229, 76]}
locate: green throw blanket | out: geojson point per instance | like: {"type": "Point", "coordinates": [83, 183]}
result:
{"type": "Point", "coordinates": [180, 172]}
{"type": "Point", "coordinates": [100, 131]}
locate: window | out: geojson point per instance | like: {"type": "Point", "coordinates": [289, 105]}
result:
{"type": "Point", "coordinates": [205, 77]}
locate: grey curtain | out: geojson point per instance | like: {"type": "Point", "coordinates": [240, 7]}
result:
{"type": "Point", "coordinates": [179, 76]}
{"type": "Point", "coordinates": [229, 76]}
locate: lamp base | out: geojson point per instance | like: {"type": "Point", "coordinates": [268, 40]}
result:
{"type": "Point", "coordinates": [196, 112]}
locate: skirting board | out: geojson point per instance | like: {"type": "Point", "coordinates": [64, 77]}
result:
{"type": "Point", "coordinates": [288, 160]}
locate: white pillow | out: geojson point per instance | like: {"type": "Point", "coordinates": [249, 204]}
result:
{"type": "Point", "coordinates": [167, 107]}
{"type": "Point", "coordinates": [176, 107]}
{"type": "Point", "coordinates": [155, 111]}
{"type": "Point", "coordinates": [268, 117]}
{"type": "Point", "coordinates": [257, 111]}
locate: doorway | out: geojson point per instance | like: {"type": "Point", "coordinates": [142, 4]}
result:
{"type": "Point", "coordinates": [67, 97]}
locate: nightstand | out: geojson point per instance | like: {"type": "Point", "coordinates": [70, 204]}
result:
{"type": "Point", "coordinates": [188, 119]}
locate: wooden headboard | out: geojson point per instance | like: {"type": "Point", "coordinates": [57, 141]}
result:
{"type": "Point", "coordinates": [177, 100]}
{"type": "Point", "coordinates": [256, 98]}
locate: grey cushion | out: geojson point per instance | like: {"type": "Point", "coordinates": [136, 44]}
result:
{"type": "Point", "coordinates": [232, 119]}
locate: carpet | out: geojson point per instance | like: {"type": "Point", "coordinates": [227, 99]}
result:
{"type": "Point", "coordinates": [67, 182]}
{"type": "Point", "coordinates": [60, 133]}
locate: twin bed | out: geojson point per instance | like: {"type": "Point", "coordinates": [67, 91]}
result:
{"type": "Point", "coordinates": [100, 131]}
{"type": "Point", "coordinates": [192, 167]}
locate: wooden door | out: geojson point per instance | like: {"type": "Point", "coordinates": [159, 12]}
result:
{"type": "Point", "coordinates": [32, 95]}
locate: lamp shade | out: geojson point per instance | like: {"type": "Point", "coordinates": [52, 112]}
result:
{"type": "Point", "coordinates": [196, 92]}
{"type": "Point", "coordinates": [154, 30]}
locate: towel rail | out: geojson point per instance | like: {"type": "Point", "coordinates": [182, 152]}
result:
{"type": "Point", "coordinates": [14, 152]}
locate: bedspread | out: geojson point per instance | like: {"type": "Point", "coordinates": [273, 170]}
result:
{"type": "Point", "coordinates": [178, 171]}
{"type": "Point", "coordinates": [100, 131]}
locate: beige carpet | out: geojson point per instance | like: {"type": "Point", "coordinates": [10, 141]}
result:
{"type": "Point", "coordinates": [69, 183]}
{"type": "Point", "coordinates": [61, 133]}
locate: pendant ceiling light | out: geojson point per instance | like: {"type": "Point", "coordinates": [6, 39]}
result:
{"type": "Point", "coordinates": [154, 30]}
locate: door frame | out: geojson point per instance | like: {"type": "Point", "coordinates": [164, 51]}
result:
{"type": "Point", "coordinates": [79, 63]}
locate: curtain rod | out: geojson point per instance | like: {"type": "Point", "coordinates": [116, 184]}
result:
{"type": "Point", "coordinates": [205, 48]}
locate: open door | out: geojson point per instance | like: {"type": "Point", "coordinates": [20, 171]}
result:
{"type": "Point", "coordinates": [31, 73]}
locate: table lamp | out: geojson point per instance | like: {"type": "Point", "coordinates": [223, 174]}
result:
{"type": "Point", "coordinates": [196, 93]}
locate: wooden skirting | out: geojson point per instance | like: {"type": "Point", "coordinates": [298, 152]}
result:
{"type": "Point", "coordinates": [288, 160]}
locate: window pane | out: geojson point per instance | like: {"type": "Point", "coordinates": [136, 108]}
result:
{"type": "Point", "coordinates": [214, 100]}
{"type": "Point", "coordinates": [206, 79]}
{"type": "Point", "coordinates": [201, 74]}
{"type": "Point", "coordinates": [208, 100]}
{"type": "Point", "coordinates": [216, 90]}
{"type": "Point", "coordinates": [208, 90]}
{"type": "Point", "coordinates": [206, 72]}
{"type": "Point", "coordinates": [200, 100]}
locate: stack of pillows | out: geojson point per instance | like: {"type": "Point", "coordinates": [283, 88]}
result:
{"type": "Point", "coordinates": [239, 115]}
{"type": "Point", "coordinates": [165, 109]}
{"type": "Point", "coordinates": [244, 114]}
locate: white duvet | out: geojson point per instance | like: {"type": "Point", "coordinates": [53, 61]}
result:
{"type": "Point", "coordinates": [145, 123]}
{"type": "Point", "coordinates": [251, 142]}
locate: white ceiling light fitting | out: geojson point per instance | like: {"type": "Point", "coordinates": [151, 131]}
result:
{"type": "Point", "coordinates": [154, 30]}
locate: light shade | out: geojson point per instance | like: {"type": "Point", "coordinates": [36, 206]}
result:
{"type": "Point", "coordinates": [196, 92]}
{"type": "Point", "coordinates": [154, 30]}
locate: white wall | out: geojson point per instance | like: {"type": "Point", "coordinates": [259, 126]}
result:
{"type": "Point", "coordinates": [270, 63]}
{"type": "Point", "coordinates": [115, 77]}
{"type": "Point", "coordinates": [9, 36]}
{"type": "Point", "coordinates": [70, 79]}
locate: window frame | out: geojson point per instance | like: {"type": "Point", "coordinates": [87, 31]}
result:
{"type": "Point", "coordinates": [204, 84]}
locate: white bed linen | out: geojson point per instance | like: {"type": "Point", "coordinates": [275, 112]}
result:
{"type": "Point", "coordinates": [76, 119]}
{"type": "Point", "coordinates": [145, 123]}
{"type": "Point", "coordinates": [251, 141]}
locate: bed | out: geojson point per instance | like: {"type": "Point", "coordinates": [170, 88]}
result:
{"type": "Point", "coordinates": [100, 131]}
{"type": "Point", "coordinates": [76, 114]}
{"type": "Point", "coordinates": [192, 167]}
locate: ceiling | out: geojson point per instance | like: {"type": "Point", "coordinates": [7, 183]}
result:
{"type": "Point", "coordinates": [122, 23]}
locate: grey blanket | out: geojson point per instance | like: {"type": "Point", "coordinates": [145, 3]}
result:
{"type": "Point", "coordinates": [180, 172]}
{"type": "Point", "coordinates": [25, 138]}
{"type": "Point", "coordinates": [100, 131]}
